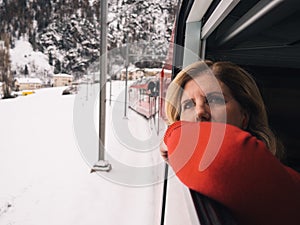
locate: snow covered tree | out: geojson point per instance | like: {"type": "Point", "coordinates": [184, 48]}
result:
{"type": "Point", "coordinates": [148, 22]}
{"type": "Point", "coordinates": [5, 73]}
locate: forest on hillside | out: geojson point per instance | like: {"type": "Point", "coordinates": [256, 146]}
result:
{"type": "Point", "coordinates": [68, 31]}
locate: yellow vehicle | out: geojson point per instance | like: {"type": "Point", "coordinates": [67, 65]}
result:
{"type": "Point", "coordinates": [24, 93]}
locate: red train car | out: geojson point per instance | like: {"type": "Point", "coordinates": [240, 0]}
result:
{"type": "Point", "coordinates": [143, 95]}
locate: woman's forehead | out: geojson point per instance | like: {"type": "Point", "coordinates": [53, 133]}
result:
{"type": "Point", "coordinates": [205, 83]}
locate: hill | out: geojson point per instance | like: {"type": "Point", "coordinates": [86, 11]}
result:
{"type": "Point", "coordinates": [67, 32]}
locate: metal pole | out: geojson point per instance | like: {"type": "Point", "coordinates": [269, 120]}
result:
{"type": "Point", "coordinates": [110, 91]}
{"type": "Point", "coordinates": [164, 198]}
{"type": "Point", "coordinates": [126, 66]}
{"type": "Point", "coordinates": [102, 165]}
{"type": "Point", "coordinates": [103, 71]}
{"type": "Point", "coordinates": [110, 84]}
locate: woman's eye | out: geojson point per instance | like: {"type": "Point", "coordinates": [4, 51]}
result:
{"type": "Point", "coordinates": [188, 105]}
{"type": "Point", "coordinates": [216, 99]}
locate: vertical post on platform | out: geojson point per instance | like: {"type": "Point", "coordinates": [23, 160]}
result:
{"type": "Point", "coordinates": [102, 165]}
{"type": "Point", "coordinates": [126, 80]}
{"type": "Point", "coordinates": [110, 83]}
{"type": "Point", "coordinates": [103, 71]}
{"type": "Point", "coordinates": [164, 197]}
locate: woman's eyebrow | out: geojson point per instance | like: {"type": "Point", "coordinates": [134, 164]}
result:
{"type": "Point", "coordinates": [216, 93]}
{"type": "Point", "coordinates": [186, 100]}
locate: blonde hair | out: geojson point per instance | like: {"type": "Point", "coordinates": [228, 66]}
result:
{"type": "Point", "coordinates": [244, 90]}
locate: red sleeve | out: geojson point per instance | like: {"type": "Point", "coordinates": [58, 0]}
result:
{"type": "Point", "coordinates": [236, 169]}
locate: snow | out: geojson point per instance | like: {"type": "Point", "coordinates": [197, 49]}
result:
{"type": "Point", "coordinates": [63, 75]}
{"type": "Point", "coordinates": [25, 80]}
{"type": "Point", "coordinates": [91, 2]}
{"type": "Point", "coordinates": [45, 169]}
{"type": "Point", "coordinates": [22, 54]}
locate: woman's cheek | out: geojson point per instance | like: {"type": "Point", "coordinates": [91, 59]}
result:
{"type": "Point", "coordinates": [188, 115]}
{"type": "Point", "coordinates": [218, 114]}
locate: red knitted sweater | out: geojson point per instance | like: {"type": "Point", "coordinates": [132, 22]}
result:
{"type": "Point", "coordinates": [236, 169]}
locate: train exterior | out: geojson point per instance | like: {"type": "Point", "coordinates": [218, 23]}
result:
{"type": "Point", "coordinates": [143, 96]}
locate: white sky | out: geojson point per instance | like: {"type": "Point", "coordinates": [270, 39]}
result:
{"type": "Point", "coordinates": [45, 176]}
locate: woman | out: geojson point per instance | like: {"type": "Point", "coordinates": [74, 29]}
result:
{"type": "Point", "coordinates": [220, 144]}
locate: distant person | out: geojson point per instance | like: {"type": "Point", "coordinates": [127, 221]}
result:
{"type": "Point", "coordinates": [219, 144]}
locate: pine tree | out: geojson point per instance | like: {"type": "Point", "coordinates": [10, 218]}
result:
{"type": "Point", "coordinates": [50, 59]}
{"type": "Point", "coordinates": [57, 68]}
{"type": "Point", "coordinates": [32, 39]}
{"type": "Point", "coordinates": [26, 72]}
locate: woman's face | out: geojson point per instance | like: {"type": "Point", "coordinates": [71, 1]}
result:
{"type": "Point", "coordinates": [207, 99]}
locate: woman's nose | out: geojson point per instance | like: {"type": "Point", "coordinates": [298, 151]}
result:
{"type": "Point", "coordinates": [202, 112]}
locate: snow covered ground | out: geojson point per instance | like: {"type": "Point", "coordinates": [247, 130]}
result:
{"type": "Point", "coordinates": [46, 158]}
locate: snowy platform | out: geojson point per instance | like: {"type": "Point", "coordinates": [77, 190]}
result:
{"type": "Point", "coordinates": [45, 166]}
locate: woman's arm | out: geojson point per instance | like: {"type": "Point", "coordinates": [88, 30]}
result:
{"type": "Point", "coordinates": [236, 169]}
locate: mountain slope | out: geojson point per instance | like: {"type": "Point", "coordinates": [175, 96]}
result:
{"type": "Point", "coordinates": [68, 32]}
